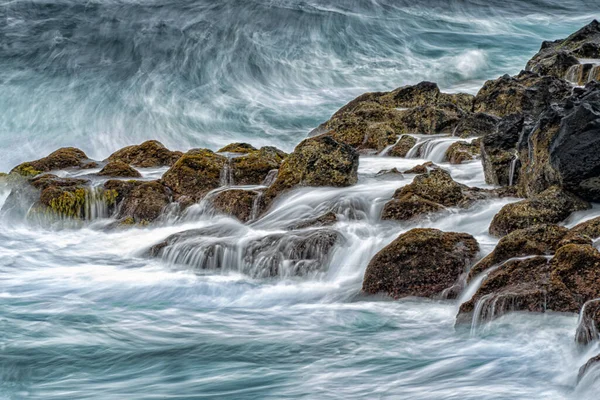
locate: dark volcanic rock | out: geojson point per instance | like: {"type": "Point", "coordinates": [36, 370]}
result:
{"type": "Point", "coordinates": [66, 157]}
{"type": "Point", "coordinates": [421, 262]}
{"type": "Point", "coordinates": [476, 124]}
{"type": "Point", "coordinates": [549, 207]}
{"type": "Point", "coordinates": [151, 153]}
{"type": "Point", "coordinates": [499, 151]}
{"type": "Point", "coordinates": [119, 168]}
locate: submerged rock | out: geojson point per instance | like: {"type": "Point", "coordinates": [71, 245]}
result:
{"type": "Point", "coordinates": [588, 328]}
{"type": "Point", "coordinates": [195, 174]}
{"type": "Point", "coordinates": [119, 168]}
{"type": "Point", "coordinates": [317, 161]}
{"type": "Point", "coordinates": [327, 219]}
{"type": "Point", "coordinates": [549, 207]}
{"type": "Point", "coordinates": [420, 262]}
{"type": "Point", "coordinates": [66, 157]}
{"type": "Point", "coordinates": [151, 153]}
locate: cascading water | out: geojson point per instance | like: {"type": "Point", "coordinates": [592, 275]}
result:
{"type": "Point", "coordinates": [263, 310]}
{"type": "Point", "coordinates": [433, 147]}
{"type": "Point", "coordinates": [513, 169]}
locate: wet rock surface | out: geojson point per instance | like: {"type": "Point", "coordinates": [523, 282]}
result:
{"type": "Point", "coordinates": [588, 328]}
{"type": "Point", "coordinates": [239, 203]}
{"type": "Point", "coordinates": [66, 157]}
{"type": "Point", "coordinates": [420, 262]}
{"type": "Point", "coordinates": [499, 153]}
{"type": "Point", "coordinates": [120, 169]}
{"type": "Point", "coordinates": [460, 152]}
{"type": "Point", "coordinates": [151, 153]}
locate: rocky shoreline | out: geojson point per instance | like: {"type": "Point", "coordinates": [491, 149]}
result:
{"type": "Point", "coordinates": [537, 135]}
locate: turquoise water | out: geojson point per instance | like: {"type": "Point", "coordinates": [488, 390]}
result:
{"type": "Point", "coordinates": [84, 314]}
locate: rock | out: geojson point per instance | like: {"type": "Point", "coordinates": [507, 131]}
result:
{"type": "Point", "coordinates": [195, 174]}
{"type": "Point", "coordinates": [252, 168]}
{"type": "Point", "coordinates": [499, 154]}
{"type": "Point", "coordinates": [144, 203]}
{"type": "Point", "coordinates": [241, 204]}
{"type": "Point", "coordinates": [476, 124]}
{"type": "Point", "coordinates": [409, 207]}
{"type": "Point", "coordinates": [527, 93]}
{"type": "Point", "coordinates": [564, 149]}
{"type": "Point", "coordinates": [559, 57]}
{"type": "Point", "coordinates": [402, 146]}
{"type": "Point", "coordinates": [592, 363]}
{"type": "Point", "coordinates": [149, 154]}
{"type": "Point", "coordinates": [420, 262]}
{"type": "Point", "coordinates": [241, 148]}
{"type": "Point", "coordinates": [317, 161]}
{"type": "Point", "coordinates": [589, 229]}
{"type": "Point", "coordinates": [66, 157]}
{"type": "Point", "coordinates": [563, 284]}
{"type": "Point", "coordinates": [374, 121]}
{"type": "Point", "coordinates": [421, 168]}
{"type": "Point", "coordinates": [549, 207]}
{"type": "Point", "coordinates": [294, 253]}
{"type": "Point", "coordinates": [327, 219]}
{"type": "Point", "coordinates": [62, 197]}
{"type": "Point", "coordinates": [119, 168]}
{"type": "Point", "coordinates": [537, 240]}
{"type": "Point", "coordinates": [460, 152]}
{"type": "Point", "coordinates": [392, 173]}
{"type": "Point", "coordinates": [588, 328]}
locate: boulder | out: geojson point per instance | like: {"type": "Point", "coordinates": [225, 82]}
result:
{"type": "Point", "coordinates": [241, 204]}
{"type": "Point", "coordinates": [119, 168]}
{"type": "Point", "coordinates": [195, 174]}
{"type": "Point", "coordinates": [564, 284]}
{"type": "Point", "coordinates": [149, 154]}
{"type": "Point", "coordinates": [317, 161]}
{"type": "Point", "coordinates": [144, 203]}
{"type": "Point", "coordinates": [527, 93]}
{"type": "Point", "coordinates": [539, 240]}
{"type": "Point", "coordinates": [62, 197]}
{"type": "Point", "coordinates": [402, 146]}
{"type": "Point", "coordinates": [420, 262]}
{"type": "Point", "coordinates": [66, 157]}
{"type": "Point", "coordinates": [241, 148]}
{"type": "Point", "coordinates": [253, 167]}
{"type": "Point", "coordinates": [588, 328]}
{"type": "Point", "coordinates": [499, 155]}
{"type": "Point", "coordinates": [549, 207]}
{"type": "Point", "coordinates": [460, 152]}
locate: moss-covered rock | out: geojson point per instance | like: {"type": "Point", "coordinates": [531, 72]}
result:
{"type": "Point", "coordinates": [527, 93]}
{"type": "Point", "coordinates": [119, 168]}
{"type": "Point", "coordinates": [252, 168]}
{"type": "Point", "coordinates": [317, 161]}
{"type": "Point", "coordinates": [66, 157]}
{"type": "Point", "coordinates": [589, 229]}
{"type": "Point", "coordinates": [240, 148]}
{"type": "Point", "coordinates": [241, 204]}
{"type": "Point", "coordinates": [144, 203]}
{"type": "Point", "coordinates": [539, 240]}
{"type": "Point", "coordinates": [460, 152]}
{"type": "Point", "coordinates": [402, 146]}
{"type": "Point", "coordinates": [475, 124]}
{"type": "Point", "coordinates": [196, 173]}
{"type": "Point", "coordinates": [549, 207]}
{"type": "Point", "coordinates": [409, 206]}
{"type": "Point", "coordinates": [151, 153]}
{"type": "Point", "coordinates": [420, 262]}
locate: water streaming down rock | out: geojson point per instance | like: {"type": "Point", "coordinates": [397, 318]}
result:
{"type": "Point", "coordinates": [513, 169]}
{"type": "Point", "coordinates": [432, 148]}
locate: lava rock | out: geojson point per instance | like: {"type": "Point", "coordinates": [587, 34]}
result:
{"type": "Point", "coordinates": [499, 151]}
{"type": "Point", "coordinates": [476, 124]}
{"type": "Point", "coordinates": [588, 328]}
{"type": "Point", "coordinates": [549, 207]}
{"type": "Point", "coordinates": [420, 262]}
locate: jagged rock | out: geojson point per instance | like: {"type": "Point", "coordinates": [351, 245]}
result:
{"type": "Point", "coordinates": [589, 229]}
{"type": "Point", "coordinates": [151, 153]}
{"type": "Point", "coordinates": [460, 152]}
{"type": "Point", "coordinates": [429, 119]}
{"type": "Point", "coordinates": [253, 167]}
{"type": "Point", "coordinates": [294, 253]}
{"type": "Point", "coordinates": [144, 202]}
{"type": "Point", "coordinates": [588, 328]}
{"type": "Point", "coordinates": [66, 157]}
{"type": "Point", "coordinates": [317, 161]}
{"type": "Point", "coordinates": [537, 240]}
{"type": "Point", "coordinates": [119, 168]}
{"type": "Point", "coordinates": [239, 203]}
{"type": "Point", "coordinates": [425, 93]}
{"type": "Point", "coordinates": [549, 207]}
{"type": "Point", "coordinates": [563, 284]}
{"type": "Point", "coordinates": [587, 367]}
{"type": "Point", "coordinates": [527, 93]}
{"type": "Point", "coordinates": [559, 57]}
{"type": "Point", "coordinates": [420, 262]}
{"type": "Point", "coordinates": [564, 149]}
{"type": "Point", "coordinates": [499, 151]}
{"type": "Point", "coordinates": [241, 148]}
{"type": "Point", "coordinates": [196, 173]}
{"type": "Point", "coordinates": [476, 124]}
{"type": "Point", "coordinates": [402, 146]}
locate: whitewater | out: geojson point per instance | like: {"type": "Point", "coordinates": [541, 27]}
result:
{"type": "Point", "coordinates": [86, 314]}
